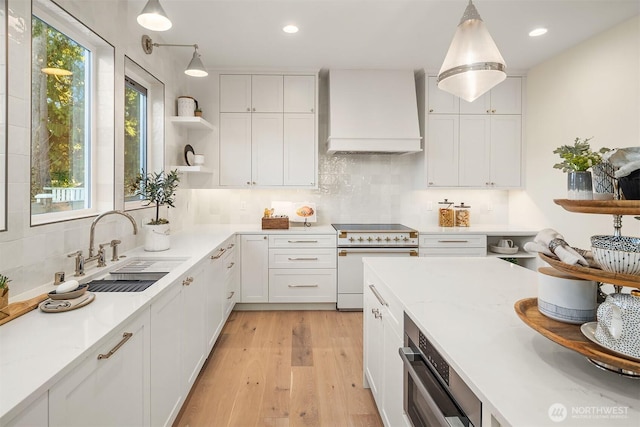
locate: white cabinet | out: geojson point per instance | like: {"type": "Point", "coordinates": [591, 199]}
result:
{"type": "Point", "coordinates": [268, 134]}
{"type": "Point", "coordinates": [111, 386]}
{"type": "Point", "coordinates": [231, 277]}
{"type": "Point", "coordinates": [167, 390]}
{"type": "Point", "coordinates": [383, 370]}
{"type": "Point", "coordinates": [36, 414]}
{"type": "Point", "coordinates": [505, 98]}
{"type": "Point", "coordinates": [254, 264]}
{"type": "Point", "coordinates": [193, 329]}
{"type": "Point", "coordinates": [441, 102]}
{"type": "Point", "coordinates": [441, 244]}
{"type": "Point", "coordinates": [481, 150]}
{"type": "Point", "coordinates": [214, 284]}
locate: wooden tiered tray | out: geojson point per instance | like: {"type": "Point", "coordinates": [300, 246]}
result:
{"type": "Point", "coordinates": [610, 207]}
{"type": "Point", "coordinates": [596, 274]}
{"type": "Point", "coordinates": [571, 337]}
{"type": "Point", "coordinates": [17, 309]}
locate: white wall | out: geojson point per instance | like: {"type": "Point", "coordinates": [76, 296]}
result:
{"type": "Point", "coordinates": [31, 255]}
{"type": "Point", "coordinates": [591, 90]}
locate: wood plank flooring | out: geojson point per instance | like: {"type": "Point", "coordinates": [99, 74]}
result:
{"type": "Point", "coordinates": [283, 369]}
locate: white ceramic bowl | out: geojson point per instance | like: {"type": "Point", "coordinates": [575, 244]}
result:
{"type": "Point", "coordinates": [617, 254]}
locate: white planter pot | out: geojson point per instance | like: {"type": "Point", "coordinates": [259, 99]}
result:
{"type": "Point", "coordinates": [157, 237]}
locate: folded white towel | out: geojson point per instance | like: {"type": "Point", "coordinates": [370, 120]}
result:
{"type": "Point", "coordinates": [554, 242]}
{"type": "Point", "coordinates": [625, 160]}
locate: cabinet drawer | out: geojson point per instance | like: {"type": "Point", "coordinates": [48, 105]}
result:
{"type": "Point", "coordinates": [453, 241]}
{"type": "Point", "coordinates": [302, 241]}
{"type": "Point", "coordinates": [453, 251]}
{"type": "Point", "coordinates": [392, 310]}
{"type": "Point", "coordinates": [302, 258]}
{"type": "Point", "coordinates": [311, 285]}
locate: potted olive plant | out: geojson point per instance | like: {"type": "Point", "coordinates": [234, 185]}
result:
{"type": "Point", "coordinates": [157, 188]}
{"type": "Point", "coordinates": [577, 159]}
{"type": "Point", "coordinates": [4, 296]}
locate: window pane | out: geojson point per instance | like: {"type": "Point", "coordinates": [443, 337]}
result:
{"type": "Point", "coordinates": [60, 130]}
{"type": "Point", "coordinates": [135, 135]}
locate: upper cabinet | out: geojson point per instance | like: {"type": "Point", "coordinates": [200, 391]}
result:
{"type": "Point", "coordinates": [268, 130]}
{"type": "Point", "coordinates": [506, 98]}
{"type": "Point", "coordinates": [441, 102]}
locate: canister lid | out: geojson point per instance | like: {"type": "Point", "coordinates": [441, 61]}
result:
{"type": "Point", "coordinates": [462, 206]}
{"type": "Point", "coordinates": [446, 202]}
{"type": "Point", "coordinates": [550, 271]}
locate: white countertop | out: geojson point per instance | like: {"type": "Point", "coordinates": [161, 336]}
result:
{"type": "Point", "coordinates": [488, 229]}
{"type": "Point", "coordinates": [465, 306]}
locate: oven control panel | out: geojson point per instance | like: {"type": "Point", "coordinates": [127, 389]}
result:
{"type": "Point", "coordinates": [377, 239]}
{"type": "Point", "coordinates": [433, 358]}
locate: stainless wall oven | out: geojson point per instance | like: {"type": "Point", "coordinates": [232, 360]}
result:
{"type": "Point", "coordinates": [356, 241]}
{"type": "Point", "coordinates": [434, 394]}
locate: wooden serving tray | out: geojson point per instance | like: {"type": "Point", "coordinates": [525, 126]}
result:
{"type": "Point", "coordinates": [17, 309]}
{"type": "Point", "coordinates": [570, 336]}
{"type": "Point", "coordinates": [596, 274]}
{"type": "Point", "coordinates": [611, 207]}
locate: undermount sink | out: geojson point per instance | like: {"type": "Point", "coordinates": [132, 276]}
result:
{"type": "Point", "coordinates": [135, 276]}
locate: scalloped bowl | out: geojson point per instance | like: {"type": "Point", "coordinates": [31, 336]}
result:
{"type": "Point", "coordinates": [617, 254]}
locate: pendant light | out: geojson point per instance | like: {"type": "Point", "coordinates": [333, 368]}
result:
{"type": "Point", "coordinates": [195, 68]}
{"type": "Point", "coordinates": [153, 17]}
{"type": "Point", "coordinates": [473, 64]}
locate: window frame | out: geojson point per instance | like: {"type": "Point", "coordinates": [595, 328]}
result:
{"type": "Point", "coordinates": [130, 82]}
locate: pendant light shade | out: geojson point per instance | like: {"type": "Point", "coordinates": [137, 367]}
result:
{"type": "Point", "coordinates": [196, 67]}
{"type": "Point", "coordinates": [473, 64]}
{"type": "Point", "coordinates": [153, 17]}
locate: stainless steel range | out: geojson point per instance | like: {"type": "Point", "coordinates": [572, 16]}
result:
{"type": "Point", "coordinates": [356, 241]}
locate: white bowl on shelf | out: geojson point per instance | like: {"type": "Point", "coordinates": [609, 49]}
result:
{"type": "Point", "coordinates": [503, 250]}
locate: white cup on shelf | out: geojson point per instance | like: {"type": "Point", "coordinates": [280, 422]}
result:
{"type": "Point", "coordinates": [198, 159]}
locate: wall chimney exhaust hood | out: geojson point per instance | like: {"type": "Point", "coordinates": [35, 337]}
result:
{"type": "Point", "coordinates": [373, 112]}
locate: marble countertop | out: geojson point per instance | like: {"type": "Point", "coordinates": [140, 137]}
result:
{"type": "Point", "coordinates": [465, 307]}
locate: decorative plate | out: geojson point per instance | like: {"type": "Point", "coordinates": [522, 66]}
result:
{"type": "Point", "coordinates": [189, 155]}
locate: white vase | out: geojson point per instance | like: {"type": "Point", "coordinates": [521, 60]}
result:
{"type": "Point", "coordinates": [157, 237]}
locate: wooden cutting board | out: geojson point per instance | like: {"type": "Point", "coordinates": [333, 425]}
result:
{"type": "Point", "coordinates": [17, 309]}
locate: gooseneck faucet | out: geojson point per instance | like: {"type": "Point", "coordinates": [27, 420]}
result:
{"type": "Point", "coordinates": [93, 229]}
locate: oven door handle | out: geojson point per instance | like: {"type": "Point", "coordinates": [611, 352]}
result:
{"type": "Point", "coordinates": [407, 355]}
{"type": "Point", "coordinates": [345, 252]}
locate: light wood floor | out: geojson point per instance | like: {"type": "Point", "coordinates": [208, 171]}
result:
{"type": "Point", "coordinates": [283, 368]}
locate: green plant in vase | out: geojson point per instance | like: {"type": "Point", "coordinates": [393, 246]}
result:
{"type": "Point", "coordinates": [577, 159]}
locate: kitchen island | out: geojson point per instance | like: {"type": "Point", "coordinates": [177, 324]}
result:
{"type": "Point", "coordinates": [465, 307]}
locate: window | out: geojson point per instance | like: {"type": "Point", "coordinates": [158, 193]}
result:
{"type": "Point", "coordinates": [135, 134]}
{"type": "Point", "coordinates": [72, 77]}
{"type": "Point", "coordinates": [60, 122]}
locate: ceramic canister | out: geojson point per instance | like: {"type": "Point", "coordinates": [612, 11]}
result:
{"type": "Point", "coordinates": [186, 106]}
{"type": "Point", "coordinates": [566, 298]}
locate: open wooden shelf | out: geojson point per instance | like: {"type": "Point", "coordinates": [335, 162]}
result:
{"type": "Point", "coordinates": [571, 337]}
{"type": "Point", "coordinates": [610, 207]}
{"type": "Point", "coordinates": [596, 274]}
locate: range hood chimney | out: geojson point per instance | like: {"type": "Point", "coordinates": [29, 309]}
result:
{"type": "Point", "coordinates": [373, 112]}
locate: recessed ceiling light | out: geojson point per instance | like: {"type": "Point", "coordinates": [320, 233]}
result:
{"type": "Point", "coordinates": [290, 29]}
{"type": "Point", "coordinates": [537, 32]}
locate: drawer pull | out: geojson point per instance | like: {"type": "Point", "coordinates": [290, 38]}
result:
{"type": "Point", "coordinates": [303, 286]}
{"type": "Point", "coordinates": [302, 241]}
{"type": "Point", "coordinates": [231, 245]}
{"type": "Point", "coordinates": [125, 338]}
{"type": "Point", "coordinates": [303, 259]}
{"type": "Point", "coordinates": [231, 265]}
{"type": "Point", "coordinates": [219, 254]}
{"type": "Point", "coordinates": [375, 292]}
{"type": "Point", "coordinates": [231, 295]}
{"type": "Point", "coordinates": [453, 241]}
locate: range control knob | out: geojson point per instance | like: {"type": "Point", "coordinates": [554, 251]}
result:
{"type": "Point", "coordinates": [351, 239]}
{"type": "Point", "coordinates": [386, 239]}
{"type": "Point", "coordinates": [378, 239]}
{"type": "Point", "coordinates": [405, 239]}
{"type": "Point", "coordinates": [369, 239]}
{"type": "Point", "coordinates": [360, 239]}
{"type": "Point", "coordinates": [396, 238]}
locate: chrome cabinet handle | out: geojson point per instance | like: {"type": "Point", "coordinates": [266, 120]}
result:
{"type": "Point", "coordinates": [219, 254]}
{"type": "Point", "coordinates": [187, 281]}
{"type": "Point", "coordinates": [303, 259]}
{"type": "Point", "coordinates": [378, 296]}
{"type": "Point", "coordinates": [303, 286]}
{"type": "Point", "coordinates": [411, 252]}
{"type": "Point", "coordinates": [453, 241]}
{"type": "Point", "coordinates": [231, 295]}
{"type": "Point", "coordinates": [231, 245]}
{"type": "Point", "coordinates": [125, 337]}
{"type": "Point", "coordinates": [302, 241]}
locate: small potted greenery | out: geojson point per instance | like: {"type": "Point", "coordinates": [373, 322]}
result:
{"type": "Point", "coordinates": [577, 159]}
{"type": "Point", "coordinates": [4, 295]}
{"type": "Point", "coordinates": [158, 188]}
{"type": "Point", "coordinates": [197, 112]}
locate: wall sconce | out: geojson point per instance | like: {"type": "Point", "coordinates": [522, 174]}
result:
{"type": "Point", "coordinates": [153, 17]}
{"type": "Point", "coordinates": [195, 67]}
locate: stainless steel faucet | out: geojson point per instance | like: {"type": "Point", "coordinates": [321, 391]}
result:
{"type": "Point", "coordinates": [91, 256]}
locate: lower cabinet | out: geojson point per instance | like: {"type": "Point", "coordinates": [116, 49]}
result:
{"type": "Point", "coordinates": [110, 387]}
{"type": "Point", "coordinates": [383, 370]}
{"type": "Point", "coordinates": [36, 414]}
{"type": "Point", "coordinates": [255, 267]}
{"type": "Point", "coordinates": [302, 285]}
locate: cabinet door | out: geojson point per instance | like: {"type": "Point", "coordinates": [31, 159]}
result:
{"type": "Point", "coordinates": [193, 331]}
{"type": "Point", "coordinates": [235, 149]}
{"type": "Point", "coordinates": [111, 391]}
{"type": "Point", "coordinates": [299, 149]}
{"type": "Point", "coordinates": [506, 146]}
{"type": "Point", "coordinates": [482, 105]}
{"type": "Point", "coordinates": [442, 150]}
{"type": "Point", "coordinates": [299, 94]}
{"type": "Point", "coordinates": [506, 98]}
{"type": "Point", "coordinates": [475, 134]}
{"type": "Point", "coordinates": [235, 93]}
{"type": "Point", "coordinates": [373, 342]}
{"type": "Point", "coordinates": [36, 414]}
{"type": "Point", "coordinates": [441, 102]}
{"type": "Point", "coordinates": [214, 284]}
{"type": "Point", "coordinates": [267, 149]}
{"type": "Point", "coordinates": [254, 265]}
{"type": "Point", "coordinates": [266, 94]}
{"type": "Point", "coordinates": [167, 392]}
{"type": "Point", "coordinates": [392, 407]}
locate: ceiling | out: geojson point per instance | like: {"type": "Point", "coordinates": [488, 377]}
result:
{"type": "Point", "coordinates": [376, 33]}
